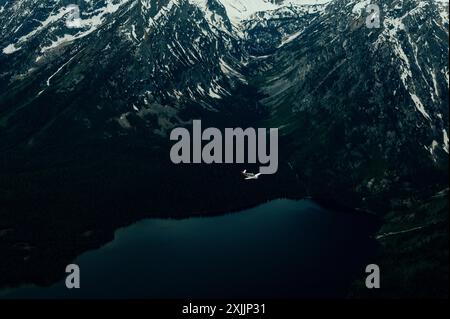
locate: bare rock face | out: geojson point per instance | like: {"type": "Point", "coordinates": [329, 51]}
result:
{"type": "Point", "coordinates": [89, 91]}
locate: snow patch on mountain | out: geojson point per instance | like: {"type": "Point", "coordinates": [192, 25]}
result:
{"type": "Point", "coordinates": [239, 10]}
{"type": "Point", "coordinates": [359, 7]}
{"type": "Point", "coordinates": [88, 22]}
{"type": "Point", "coordinates": [445, 138]}
{"type": "Point", "coordinates": [397, 35]}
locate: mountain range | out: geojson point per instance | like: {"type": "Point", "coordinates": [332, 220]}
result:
{"type": "Point", "coordinates": [89, 91]}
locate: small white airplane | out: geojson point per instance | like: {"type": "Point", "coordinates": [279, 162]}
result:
{"type": "Point", "coordinates": [250, 175]}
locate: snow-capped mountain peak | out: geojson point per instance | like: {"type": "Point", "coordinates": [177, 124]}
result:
{"type": "Point", "coordinates": [239, 10]}
{"type": "Point", "coordinates": [161, 56]}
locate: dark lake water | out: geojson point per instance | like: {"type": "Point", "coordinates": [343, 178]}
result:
{"type": "Point", "coordinates": [283, 248]}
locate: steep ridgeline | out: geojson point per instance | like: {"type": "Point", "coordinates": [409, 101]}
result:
{"type": "Point", "coordinates": [366, 108]}
{"type": "Point", "coordinates": [266, 31]}
{"type": "Point", "coordinates": [89, 91]}
{"type": "Point", "coordinates": [121, 64]}
{"type": "Point", "coordinates": [113, 67]}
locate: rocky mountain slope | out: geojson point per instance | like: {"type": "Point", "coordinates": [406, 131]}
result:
{"type": "Point", "coordinates": [369, 104]}
{"type": "Point", "coordinates": [90, 89]}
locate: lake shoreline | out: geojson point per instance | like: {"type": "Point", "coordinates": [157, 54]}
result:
{"type": "Point", "coordinates": [93, 237]}
{"type": "Point", "coordinates": [292, 225]}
